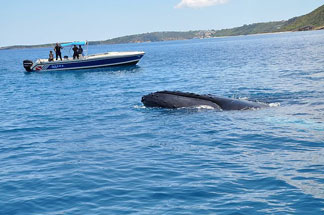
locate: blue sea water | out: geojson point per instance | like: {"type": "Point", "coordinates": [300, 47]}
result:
{"type": "Point", "coordinates": [81, 142]}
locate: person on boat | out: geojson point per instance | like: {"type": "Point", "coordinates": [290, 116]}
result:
{"type": "Point", "coordinates": [75, 52]}
{"type": "Point", "coordinates": [57, 50]}
{"type": "Point", "coordinates": [80, 50]}
{"type": "Point", "coordinates": [51, 56]}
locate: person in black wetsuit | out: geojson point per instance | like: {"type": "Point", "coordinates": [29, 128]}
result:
{"type": "Point", "coordinates": [75, 52]}
{"type": "Point", "coordinates": [57, 50]}
{"type": "Point", "coordinates": [80, 50]}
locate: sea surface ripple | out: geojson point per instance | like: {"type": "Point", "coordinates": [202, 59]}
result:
{"type": "Point", "coordinates": [81, 142]}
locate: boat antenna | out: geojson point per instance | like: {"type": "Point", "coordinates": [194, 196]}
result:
{"type": "Point", "coordinates": [87, 47]}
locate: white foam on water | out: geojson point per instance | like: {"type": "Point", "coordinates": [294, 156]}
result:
{"type": "Point", "coordinates": [139, 107]}
{"type": "Point", "coordinates": [243, 98]}
{"type": "Point", "coordinates": [207, 107]}
{"type": "Point", "coordinates": [276, 104]}
{"type": "Point", "coordinates": [201, 107]}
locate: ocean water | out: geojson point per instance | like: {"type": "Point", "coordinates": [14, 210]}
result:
{"type": "Point", "coordinates": [81, 142]}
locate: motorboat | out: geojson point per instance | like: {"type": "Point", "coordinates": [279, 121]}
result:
{"type": "Point", "coordinates": [84, 62]}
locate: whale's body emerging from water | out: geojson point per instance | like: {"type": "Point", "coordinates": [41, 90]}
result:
{"type": "Point", "coordinates": [174, 99]}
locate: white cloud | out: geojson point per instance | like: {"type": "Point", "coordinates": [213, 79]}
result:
{"type": "Point", "coordinates": [199, 3]}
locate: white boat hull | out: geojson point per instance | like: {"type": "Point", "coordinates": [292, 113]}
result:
{"type": "Point", "coordinates": [87, 62]}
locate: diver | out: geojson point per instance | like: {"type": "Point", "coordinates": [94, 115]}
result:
{"type": "Point", "coordinates": [57, 50]}
{"type": "Point", "coordinates": [75, 52]}
{"type": "Point", "coordinates": [80, 51]}
{"type": "Point", "coordinates": [51, 56]}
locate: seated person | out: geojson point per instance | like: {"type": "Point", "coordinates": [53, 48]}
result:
{"type": "Point", "coordinates": [51, 56]}
{"type": "Point", "coordinates": [75, 52]}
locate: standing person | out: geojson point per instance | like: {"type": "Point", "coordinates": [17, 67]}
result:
{"type": "Point", "coordinates": [57, 50]}
{"type": "Point", "coordinates": [80, 50]}
{"type": "Point", "coordinates": [75, 52]}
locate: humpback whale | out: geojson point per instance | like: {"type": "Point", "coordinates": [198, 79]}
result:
{"type": "Point", "coordinates": [176, 99]}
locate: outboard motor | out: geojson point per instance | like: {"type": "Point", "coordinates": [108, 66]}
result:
{"type": "Point", "coordinates": [28, 65]}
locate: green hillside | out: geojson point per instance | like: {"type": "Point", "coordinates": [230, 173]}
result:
{"type": "Point", "coordinates": [257, 28]}
{"type": "Point", "coordinates": [314, 19]}
{"type": "Point", "coordinates": [311, 21]}
{"type": "Point", "coordinates": [151, 37]}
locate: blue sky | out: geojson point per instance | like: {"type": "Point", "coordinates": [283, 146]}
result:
{"type": "Point", "coordinates": [42, 21]}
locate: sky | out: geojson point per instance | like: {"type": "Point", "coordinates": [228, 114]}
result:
{"type": "Point", "coordinates": [41, 21]}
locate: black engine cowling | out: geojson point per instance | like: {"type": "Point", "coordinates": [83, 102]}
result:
{"type": "Point", "coordinates": [28, 65]}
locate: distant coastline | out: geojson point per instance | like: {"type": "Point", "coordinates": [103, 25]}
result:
{"type": "Point", "coordinates": [308, 22]}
